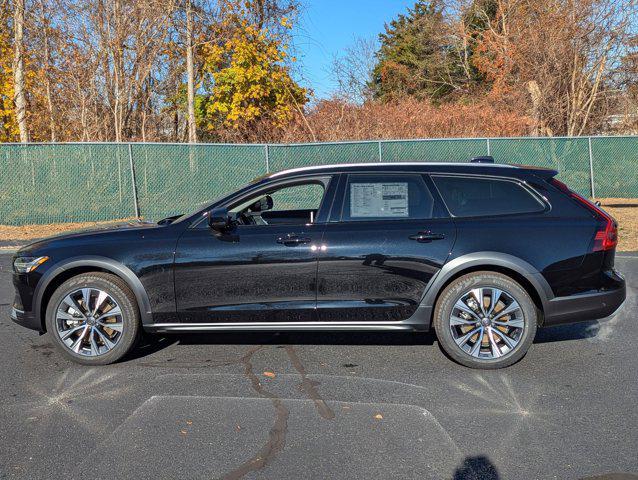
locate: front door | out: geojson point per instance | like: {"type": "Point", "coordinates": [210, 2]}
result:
{"type": "Point", "coordinates": [381, 249]}
{"type": "Point", "coordinates": [263, 269]}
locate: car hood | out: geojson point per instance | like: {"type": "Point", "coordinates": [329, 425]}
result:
{"type": "Point", "coordinates": [87, 233]}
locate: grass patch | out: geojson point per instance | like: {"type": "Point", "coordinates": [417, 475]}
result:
{"type": "Point", "coordinates": [13, 236]}
{"type": "Point", "coordinates": [625, 211]}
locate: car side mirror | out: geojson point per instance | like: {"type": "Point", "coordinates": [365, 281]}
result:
{"type": "Point", "coordinates": [219, 219]}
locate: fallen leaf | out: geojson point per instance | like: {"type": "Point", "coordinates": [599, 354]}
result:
{"type": "Point", "coordinates": [378, 416]}
{"type": "Point", "coordinates": [269, 374]}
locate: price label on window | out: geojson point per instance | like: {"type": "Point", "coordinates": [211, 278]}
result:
{"type": "Point", "coordinates": [379, 200]}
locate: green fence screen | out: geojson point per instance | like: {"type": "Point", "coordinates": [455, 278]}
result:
{"type": "Point", "coordinates": [50, 183]}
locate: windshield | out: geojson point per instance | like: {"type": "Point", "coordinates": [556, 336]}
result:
{"type": "Point", "coordinates": [204, 206]}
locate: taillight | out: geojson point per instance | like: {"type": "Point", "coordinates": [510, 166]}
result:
{"type": "Point", "coordinates": [606, 237]}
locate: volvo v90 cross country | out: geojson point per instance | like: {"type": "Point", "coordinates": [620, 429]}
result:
{"type": "Point", "coordinates": [481, 253]}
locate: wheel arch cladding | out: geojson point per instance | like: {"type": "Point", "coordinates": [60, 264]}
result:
{"type": "Point", "coordinates": [71, 267]}
{"type": "Point", "coordinates": [517, 269]}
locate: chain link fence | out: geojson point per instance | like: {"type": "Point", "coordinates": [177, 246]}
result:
{"type": "Point", "coordinates": [50, 183]}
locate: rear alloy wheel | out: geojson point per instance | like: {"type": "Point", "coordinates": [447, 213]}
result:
{"type": "Point", "coordinates": [485, 320]}
{"type": "Point", "coordinates": [93, 318]}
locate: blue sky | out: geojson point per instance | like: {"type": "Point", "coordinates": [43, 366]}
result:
{"type": "Point", "coordinates": [328, 26]}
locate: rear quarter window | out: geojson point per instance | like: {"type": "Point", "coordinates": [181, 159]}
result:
{"type": "Point", "coordinates": [478, 197]}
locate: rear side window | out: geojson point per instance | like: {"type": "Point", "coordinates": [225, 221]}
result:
{"type": "Point", "coordinates": [386, 197]}
{"type": "Point", "coordinates": [477, 197]}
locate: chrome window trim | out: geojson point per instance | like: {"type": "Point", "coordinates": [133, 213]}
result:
{"type": "Point", "coordinates": [522, 183]}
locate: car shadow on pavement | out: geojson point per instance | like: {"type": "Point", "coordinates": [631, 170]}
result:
{"type": "Point", "coordinates": [572, 331]}
{"type": "Point", "coordinates": [150, 344]}
{"type": "Point", "coordinates": [479, 467]}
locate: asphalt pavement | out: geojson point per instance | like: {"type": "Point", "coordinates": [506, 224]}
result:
{"type": "Point", "coordinates": [323, 405]}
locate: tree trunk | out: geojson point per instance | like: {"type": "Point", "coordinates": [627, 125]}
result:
{"type": "Point", "coordinates": [18, 71]}
{"type": "Point", "coordinates": [535, 94]}
{"type": "Point", "coordinates": [190, 73]}
{"type": "Point", "coordinates": [47, 72]}
{"type": "Point", "coordinates": [118, 71]}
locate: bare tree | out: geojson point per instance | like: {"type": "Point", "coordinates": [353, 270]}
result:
{"type": "Point", "coordinates": [352, 70]}
{"type": "Point", "coordinates": [562, 54]}
{"type": "Point", "coordinates": [18, 70]}
{"type": "Point", "coordinates": [190, 74]}
{"type": "Point", "coordinates": [45, 23]}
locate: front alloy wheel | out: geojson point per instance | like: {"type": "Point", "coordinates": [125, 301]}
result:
{"type": "Point", "coordinates": [93, 318]}
{"type": "Point", "coordinates": [89, 322]}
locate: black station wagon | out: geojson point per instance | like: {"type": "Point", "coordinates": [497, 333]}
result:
{"type": "Point", "coordinates": [481, 253]}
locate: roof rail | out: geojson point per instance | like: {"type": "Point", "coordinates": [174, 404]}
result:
{"type": "Point", "coordinates": [483, 159]}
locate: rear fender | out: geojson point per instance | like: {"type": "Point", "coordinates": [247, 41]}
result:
{"type": "Point", "coordinates": [483, 260]}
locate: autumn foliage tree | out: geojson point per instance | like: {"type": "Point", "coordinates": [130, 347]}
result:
{"type": "Point", "coordinates": [558, 59]}
{"type": "Point", "coordinates": [225, 70]}
{"type": "Point", "coordinates": [413, 58]}
{"type": "Point", "coordinates": [249, 75]}
{"type": "Point", "coordinates": [557, 62]}
{"type": "Point", "coordinates": [8, 125]}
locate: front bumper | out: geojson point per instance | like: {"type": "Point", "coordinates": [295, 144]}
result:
{"type": "Point", "coordinates": [25, 319]}
{"type": "Point", "coordinates": [584, 307]}
{"type": "Point", "coordinates": [23, 311]}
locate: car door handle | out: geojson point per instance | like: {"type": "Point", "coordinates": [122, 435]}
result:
{"type": "Point", "coordinates": [293, 240]}
{"type": "Point", "coordinates": [424, 237]}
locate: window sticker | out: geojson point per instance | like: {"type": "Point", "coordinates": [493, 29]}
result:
{"type": "Point", "coordinates": [379, 200]}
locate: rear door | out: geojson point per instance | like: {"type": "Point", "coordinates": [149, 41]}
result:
{"type": "Point", "coordinates": [387, 236]}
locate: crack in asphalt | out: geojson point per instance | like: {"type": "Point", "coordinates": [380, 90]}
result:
{"type": "Point", "coordinates": [277, 434]}
{"type": "Point", "coordinates": [309, 387]}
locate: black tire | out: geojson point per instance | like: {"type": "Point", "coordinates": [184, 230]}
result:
{"type": "Point", "coordinates": [455, 290]}
{"type": "Point", "coordinates": [124, 297]}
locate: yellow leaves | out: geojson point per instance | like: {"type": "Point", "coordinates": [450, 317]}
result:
{"type": "Point", "coordinates": [250, 78]}
{"type": "Point", "coordinates": [8, 124]}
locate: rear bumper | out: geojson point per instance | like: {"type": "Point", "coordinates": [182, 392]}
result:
{"type": "Point", "coordinates": [25, 319]}
{"type": "Point", "coordinates": [584, 307]}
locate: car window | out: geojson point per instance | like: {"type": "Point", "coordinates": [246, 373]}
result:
{"type": "Point", "coordinates": [477, 197]}
{"type": "Point", "coordinates": [295, 204]}
{"type": "Point", "coordinates": [298, 197]}
{"type": "Point", "coordinates": [292, 197]}
{"type": "Point", "coordinates": [386, 197]}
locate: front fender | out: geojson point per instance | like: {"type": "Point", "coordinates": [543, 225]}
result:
{"type": "Point", "coordinates": [103, 263]}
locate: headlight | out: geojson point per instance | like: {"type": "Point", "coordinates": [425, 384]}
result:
{"type": "Point", "coordinates": [28, 264]}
